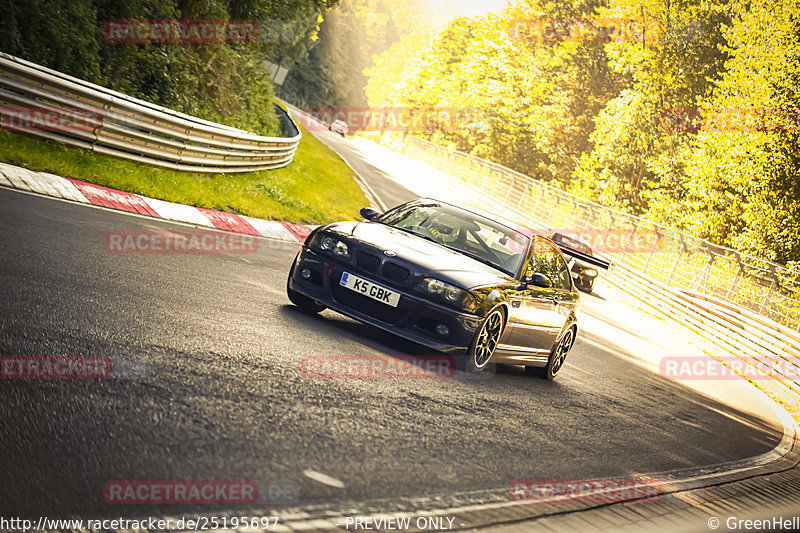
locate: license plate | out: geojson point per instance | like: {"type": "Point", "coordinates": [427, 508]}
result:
{"type": "Point", "coordinates": [369, 289]}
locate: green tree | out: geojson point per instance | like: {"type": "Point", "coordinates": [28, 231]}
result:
{"type": "Point", "coordinates": [224, 82]}
{"type": "Point", "coordinates": [529, 102]}
{"type": "Point", "coordinates": [329, 68]}
{"type": "Point", "coordinates": [61, 35]}
{"type": "Point", "coordinates": [671, 63]}
{"type": "Point", "coordinates": [744, 177]}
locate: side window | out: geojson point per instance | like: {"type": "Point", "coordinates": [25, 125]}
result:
{"type": "Point", "coordinates": [564, 275]}
{"type": "Point", "coordinates": [530, 263]}
{"type": "Point", "coordinates": [539, 261]}
{"type": "Point", "coordinates": [547, 260]}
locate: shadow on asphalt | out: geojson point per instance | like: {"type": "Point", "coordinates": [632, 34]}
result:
{"type": "Point", "coordinates": [331, 322]}
{"type": "Point", "coordinates": [392, 345]}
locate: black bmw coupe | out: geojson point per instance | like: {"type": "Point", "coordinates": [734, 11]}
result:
{"type": "Point", "coordinates": [448, 277]}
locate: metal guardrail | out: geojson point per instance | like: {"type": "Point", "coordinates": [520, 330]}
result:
{"type": "Point", "coordinates": [43, 102]}
{"type": "Point", "coordinates": [773, 350]}
{"type": "Point", "coordinates": [671, 257]}
{"type": "Point", "coordinates": [770, 348]}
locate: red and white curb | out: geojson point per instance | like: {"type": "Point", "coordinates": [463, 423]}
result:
{"type": "Point", "coordinates": [88, 193]}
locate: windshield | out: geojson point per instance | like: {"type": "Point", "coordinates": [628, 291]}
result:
{"type": "Point", "coordinates": [465, 232]}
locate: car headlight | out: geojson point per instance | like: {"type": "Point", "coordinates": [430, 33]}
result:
{"type": "Point", "coordinates": [590, 272]}
{"type": "Point", "coordinates": [447, 293]}
{"type": "Point", "coordinates": [334, 246]}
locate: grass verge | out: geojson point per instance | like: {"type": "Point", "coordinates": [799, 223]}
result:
{"type": "Point", "coordinates": [316, 188]}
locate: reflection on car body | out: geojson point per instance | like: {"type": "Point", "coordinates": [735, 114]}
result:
{"type": "Point", "coordinates": [451, 278]}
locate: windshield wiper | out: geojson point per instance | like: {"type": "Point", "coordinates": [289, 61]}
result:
{"type": "Point", "coordinates": [427, 237]}
{"type": "Point", "coordinates": [468, 254]}
{"type": "Point", "coordinates": [482, 260]}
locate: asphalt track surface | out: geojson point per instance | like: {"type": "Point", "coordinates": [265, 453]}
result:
{"type": "Point", "coordinates": [212, 386]}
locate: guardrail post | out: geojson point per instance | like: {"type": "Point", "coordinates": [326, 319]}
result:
{"type": "Point", "coordinates": [775, 281]}
{"type": "Point", "coordinates": [677, 259]}
{"type": "Point", "coordinates": [521, 198]}
{"type": "Point", "coordinates": [703, 274]}
{"type": "Point", "coordinates": [589, 217]}
{"type": "Point", "coordinates": [583, 234]}
{"type": "Point", "coordinates": [766, 298]}
{"type": "Point", "coordinates": [628, 242]}
{"type": "Point", "coordinates": [652, 249]}
{"type": "Point", "coordinates": [550, 214]}
{"type": "Point", "coordinates": [511, 183]}
{"type": "Point", "coordinates": [605, 233]}
{"type": "Point", "coordinates": [568, 225]}
{"type": "Point", "coordinates": [539, 201]}
{"type": "Point", "coordinates": [739, 272]}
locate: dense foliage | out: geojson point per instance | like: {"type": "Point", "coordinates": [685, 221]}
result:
{"type": "Point", "coordinates": [223, 81]}
{"type": "Point", "coordinates": [328, 69]}
{"type": "Point", "coordinates": [691, 120]}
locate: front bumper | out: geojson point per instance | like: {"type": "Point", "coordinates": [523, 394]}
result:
{"type": "Point", "coordinates": [414, 318]}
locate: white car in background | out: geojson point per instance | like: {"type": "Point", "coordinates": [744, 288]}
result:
{"type": "Point", "coordinates": [339, 127]}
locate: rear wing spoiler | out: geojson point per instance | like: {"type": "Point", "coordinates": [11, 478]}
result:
{"type": "Point", "coordinates": [586, 258]}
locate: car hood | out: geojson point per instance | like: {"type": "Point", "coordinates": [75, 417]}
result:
{"type": "Point", "coordinates": [423, 256]}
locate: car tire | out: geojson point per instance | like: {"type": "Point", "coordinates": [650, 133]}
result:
{"type": "Point", "coordinates": [485, 342]}
{"type": "Point", "coordinates": [558, 355]}
{"type": "Point", "coordinates": [303, 302]}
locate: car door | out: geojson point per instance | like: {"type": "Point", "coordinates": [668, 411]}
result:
{"type": "Point", "coordinates": [566, 299]}
{"type": "Point", "coordinates": [535, 317]}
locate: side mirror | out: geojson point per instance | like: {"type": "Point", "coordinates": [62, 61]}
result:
{"type": "Point", "coordinates": [370, 213]}
{"type": "Point", "coordinates": [540, 280]}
